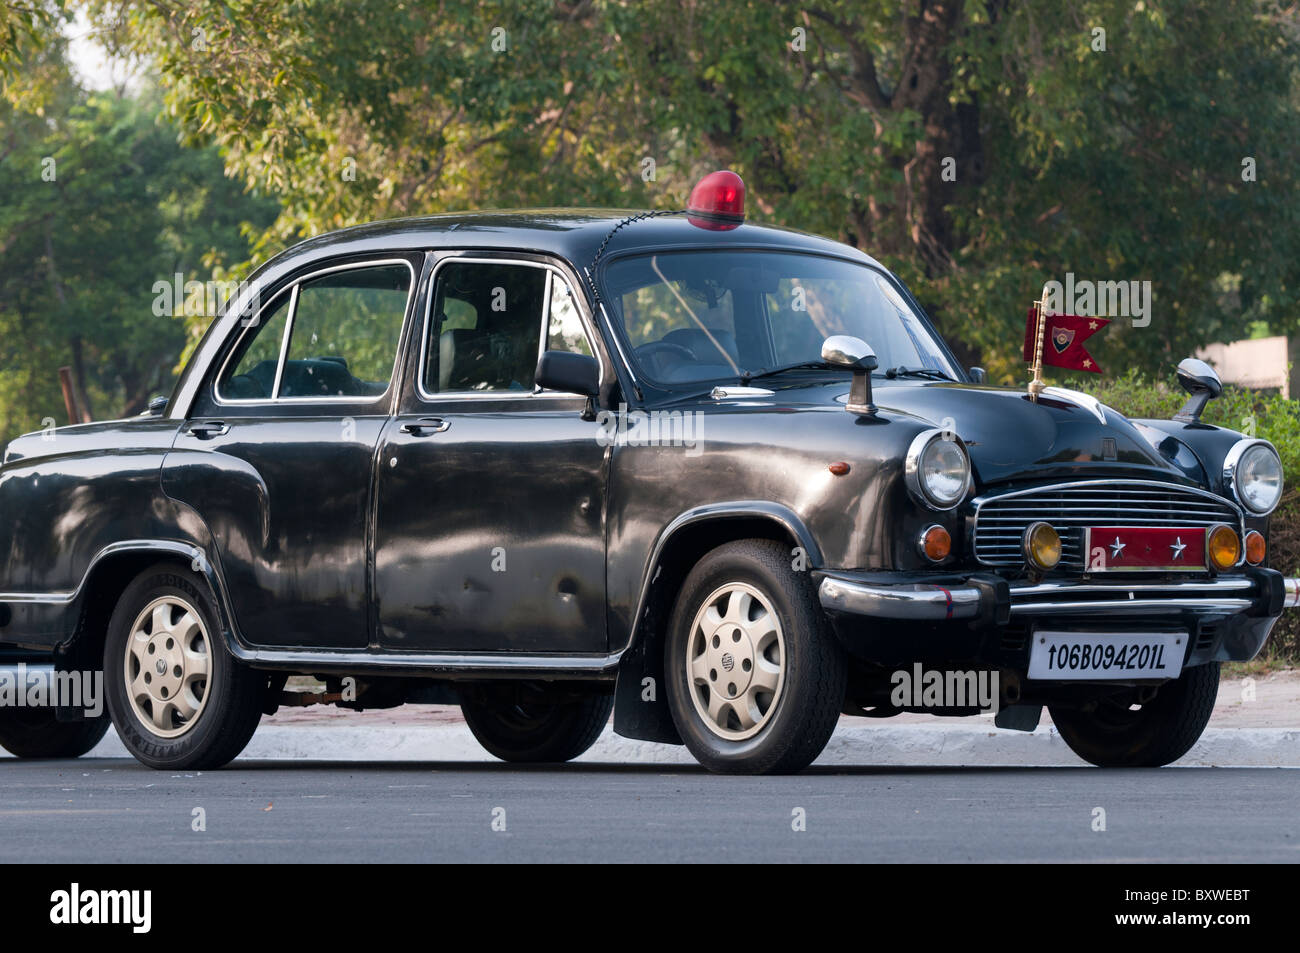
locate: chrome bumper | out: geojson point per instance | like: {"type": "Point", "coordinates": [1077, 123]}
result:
{"type": "Point", "coordinates": [917, 601]}
{"type": "Point", "coordinates": [935, 603]}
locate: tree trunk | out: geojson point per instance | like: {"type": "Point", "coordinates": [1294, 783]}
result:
{"type": "Point", "coordinates": [1293, 355]}
{"type": "Point", "coordinates": [74, 342]}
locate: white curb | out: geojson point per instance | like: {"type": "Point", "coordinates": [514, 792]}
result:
{"type": "Point", "coordinates": [864, 745]}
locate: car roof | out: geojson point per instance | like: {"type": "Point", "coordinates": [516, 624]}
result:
{"type": "Point", "coordinates": [574, 235]}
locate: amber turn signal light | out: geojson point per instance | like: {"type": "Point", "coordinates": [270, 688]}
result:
{"type": "Point", "coordinates": [1222, 546]}
{"type": "Point", "coordinates": [1256, 548]}
{"type": "Point", "coordinates": [1042, 546]}
{"type": "Point", "coordinates": [935, 544]}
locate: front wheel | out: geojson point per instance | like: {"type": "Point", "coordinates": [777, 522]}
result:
{"type": "Point", "coordinates": [35, 733]}
{"type": "Point", "coordinates": [756, 679]}
{"type": "Point", "coordinates": [525, 722]}
{"type": "Point", "coordinates": [178, 698]}
{"type": "Point", "coordinates": [1119, 735]}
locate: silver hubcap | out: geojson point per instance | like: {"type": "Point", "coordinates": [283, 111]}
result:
{"type": "Point", "coordinates": [167, 665]}
{"type": "Point", "coordinates": [735, 661]}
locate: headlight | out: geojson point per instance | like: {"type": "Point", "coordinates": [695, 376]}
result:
{"type": "Point", "coordinates": [1253, 471]}
{"type": "Point", "coordinates": [937, 470]}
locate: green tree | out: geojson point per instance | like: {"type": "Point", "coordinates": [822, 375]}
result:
{"type": "Point", "coordinates": [979, 149]}
{"type": "Point", "coordinates": [98, 203]}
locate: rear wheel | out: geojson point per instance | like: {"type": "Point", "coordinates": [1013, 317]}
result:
{"type": "Point", "coordinates": [1119, 735]}
{"type": "Point", "coordinates": [756, 679]}
{"type": "Point", "coordinates": [34, 733]}
{"type": "Point", "coordinates": [526, 722]}
{"type": "Point", "coordinates": [177, 696]}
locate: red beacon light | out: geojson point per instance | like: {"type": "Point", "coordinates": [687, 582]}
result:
{"type": "Point", "coordinates": [717, 202]}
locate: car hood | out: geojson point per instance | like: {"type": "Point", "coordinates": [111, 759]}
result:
{"type": "Point", "coordinates": [1011, 439]}
{"type": "Point", "coordinates": [1065, 434]}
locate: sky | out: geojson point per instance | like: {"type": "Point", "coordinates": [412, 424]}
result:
{"type": "Point", "coordinates": [96, 69]}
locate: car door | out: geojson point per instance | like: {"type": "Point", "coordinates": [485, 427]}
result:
{"type": "Point", "coordinates": [277, 455]}
{"type": "Point", "coordinates": [490, 492]}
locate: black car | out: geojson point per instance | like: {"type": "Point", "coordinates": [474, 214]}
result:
{"type": "Point", "coordinates": [724, 480]}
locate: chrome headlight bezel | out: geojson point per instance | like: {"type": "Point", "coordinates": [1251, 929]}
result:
{"type": "Point", "coordinates": [1232, 465]}
{"type": "Point", "coordinates": [913, 471]}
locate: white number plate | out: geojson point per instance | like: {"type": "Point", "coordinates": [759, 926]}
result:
{"type": "Point", "coordinates": [1061, 656]}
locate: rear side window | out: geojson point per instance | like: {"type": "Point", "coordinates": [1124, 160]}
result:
{"type": "Point", "coordinates": [250, 373]}
{"type": "Point", "coordinates": [341, 330]}
{"type": "Point", "coordinates": [343, 342]}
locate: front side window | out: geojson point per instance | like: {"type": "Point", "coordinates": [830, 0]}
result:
{"type": "Point", "coordinates": [564, 324]}
{"type": "Point", "coordinates": [705, 315]}
{"type": "Point", "coordinates": [486, 322]}
{"type": "Point", "coordinates": [341, 329]}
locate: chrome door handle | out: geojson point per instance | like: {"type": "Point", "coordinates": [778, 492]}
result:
{"type": "Point", "coordinates": [425, 426]}
{"type": "Point", "coordinates": [205, 429]}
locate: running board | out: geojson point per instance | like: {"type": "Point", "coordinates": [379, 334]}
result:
{"type": "Point", "coordinates": [426, 665]}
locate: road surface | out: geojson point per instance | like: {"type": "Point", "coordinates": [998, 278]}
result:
{"type": "Point", "coordinates": [114, 810]}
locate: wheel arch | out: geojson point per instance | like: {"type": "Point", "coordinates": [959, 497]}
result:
{"type": "Point", "coordinates": [640, 712]}
{"type": "Point", "coordinates": [110, 572]}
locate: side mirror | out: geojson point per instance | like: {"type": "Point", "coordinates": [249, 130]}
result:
{"type": "Point", "coordinates": [855, 354]}
{"type": "Point", "coordinates": [977, 375]}
{"type": "Point", "coordinates": [1202, 382]}
{"type": "Point", "coordinates": [157, 407]}
{"type": "Point", "coordinates": [568, 372]}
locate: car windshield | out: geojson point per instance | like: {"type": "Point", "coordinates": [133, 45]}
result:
{"type": "Point", "coordinates": [707, 315]}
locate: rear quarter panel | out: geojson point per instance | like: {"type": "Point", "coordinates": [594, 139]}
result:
{"type": "Point", "coordinates": [65, 496]}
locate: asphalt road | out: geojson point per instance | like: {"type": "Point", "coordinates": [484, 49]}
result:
{"type": "Point", "coordinates": [114, 810]}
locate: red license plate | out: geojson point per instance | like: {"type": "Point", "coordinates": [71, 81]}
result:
{"type": "Point", "coordinates": [1144, 549]}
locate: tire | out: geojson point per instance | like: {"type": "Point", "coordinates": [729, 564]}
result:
{"type": "Point", "coordinates": [216, 715]}
{"type": "Point", "coordinates": [34, 733]}
{"type": "Point", "coordinates": [788, 669]}
{"type": "Point", "coordinates": [528, 723]}
{"type": "Point", "coordinates": [1158, 733]}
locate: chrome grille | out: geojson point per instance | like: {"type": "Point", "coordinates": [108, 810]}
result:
{"type": "Point", "coordinates": [1001, 521]}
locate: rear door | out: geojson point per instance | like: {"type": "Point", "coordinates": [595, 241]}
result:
{"type": "Point", "coordinates": [491, 493]}
{"type": "Point", "coordinates": [277, 457]}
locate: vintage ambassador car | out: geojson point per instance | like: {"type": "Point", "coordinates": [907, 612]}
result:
{"type": "Point", "coordinates": [722, 480]}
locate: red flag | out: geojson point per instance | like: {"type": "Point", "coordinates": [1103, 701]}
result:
{"type": "Point", "coordinates": [1063, 339]}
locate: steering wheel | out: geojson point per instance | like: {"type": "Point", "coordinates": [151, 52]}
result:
{"type": "Point", "coordinates": [652, 352]}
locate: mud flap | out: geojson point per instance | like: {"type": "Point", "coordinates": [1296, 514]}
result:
{"type": "Point", "coordinates": [640, 705]}
{"type": "Point", "coordinates": [1019, 717]}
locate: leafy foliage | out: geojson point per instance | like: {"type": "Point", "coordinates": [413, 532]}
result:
{"type": "Point", "coordinates": [98, 204]}
{"type": "Point", "coordinates": [978, 149]}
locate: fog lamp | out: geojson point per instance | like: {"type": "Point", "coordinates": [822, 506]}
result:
{"type": "Point", "coordinates": [1042, 546]}
{"type": "Point", "coordinates": [1222, 546]}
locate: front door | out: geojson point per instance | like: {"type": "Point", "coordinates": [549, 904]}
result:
{"type": "Point", "coordinates": [491, 493]}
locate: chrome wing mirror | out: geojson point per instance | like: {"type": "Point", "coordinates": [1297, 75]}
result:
{"type": "Point", "coordinates": [1202, 382]}
{"type": "Point", "coordinates": [855, 354]}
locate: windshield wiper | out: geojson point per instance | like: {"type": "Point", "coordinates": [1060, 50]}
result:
{"type": "Point", "coordinates": [748, 376]}
{"type": "Point", "coordinates": [927, 372]}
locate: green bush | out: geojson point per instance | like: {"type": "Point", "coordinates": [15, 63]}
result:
{"type": "Point", "coordinates": [1273, 418]}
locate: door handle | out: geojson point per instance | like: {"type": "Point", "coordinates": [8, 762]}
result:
{"type": "Point", "coordinates": [205, 429]}
{"type": "Point", "coordinates": [425, 426]}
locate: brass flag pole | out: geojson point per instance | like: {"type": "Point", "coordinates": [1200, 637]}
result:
{"type": "Point", "coordinates": [1037, 384]}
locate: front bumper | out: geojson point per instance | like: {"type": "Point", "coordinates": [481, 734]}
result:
{"type": "Point", "coordinates": [1229, 616]}
{"type": "Point", "coordinates": [990, 597]}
